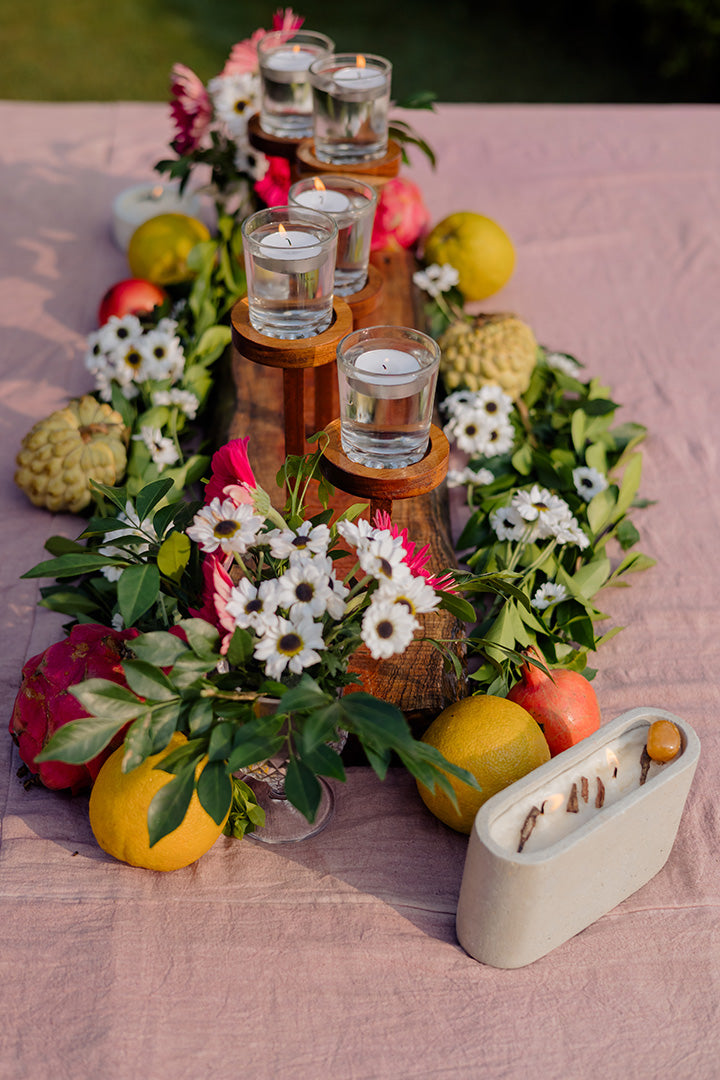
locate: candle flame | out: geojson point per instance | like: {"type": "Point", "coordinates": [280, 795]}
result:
{"type": "Point", "coordinates": [319, 186]}
{"type": "Point", "coordinates": [612, 760]}
{"type": "Point", "coordinates": [552, 803]}
{"type": "Point", "coordinates": [296, 48]}
{"type": "Point", "coordinates": [157, 191]}
{"type": "Point", "coordinates": [360, 61]}
{"type": "Point", "coordinates": [281, 227]}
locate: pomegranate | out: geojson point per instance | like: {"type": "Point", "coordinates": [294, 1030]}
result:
{"type": "Point", "coordinates": [563, 703]}
{"type": "Point", "coordinates": [44, 703]}
{"type": "Point", "coordinates": [401, 217]}
{"type": "Point", "coordinates": [133, 296]}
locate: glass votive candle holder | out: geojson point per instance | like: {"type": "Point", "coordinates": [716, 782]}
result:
{"type": "Point", "coordinates": [352, 97]}
{"type": "Point", "coordinates": [351, 203]}
{"type": "Point", "coordinates": [290, 264]}
{"type": "Point", "coordinates": [284, 56]}
{"type": "Point", "coordinates": [386, 378]}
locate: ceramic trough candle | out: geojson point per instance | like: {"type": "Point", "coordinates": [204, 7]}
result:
{"type": "Point", "coordinates": [386, 377]}
{"type": "Point", "coordinates": [556, 850]}
{"type": "Point", "coordinates": [351, 203]}
{"type": "Point", "coordinates": [290, 265]}
{"type": "Point", "coordinates": [352, 97]}
{"type": "Point", "coordinates": [138, 204]}
{"type": "Point", "coordinates": [284, 58]}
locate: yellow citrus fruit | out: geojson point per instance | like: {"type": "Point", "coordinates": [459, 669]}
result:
{"type": "Point", "coordinates": [481, 252]}
{"type": "Point", "coordinates": [495, 740]}
{"type": "Point", "coordinates": [159, 248]}
{"type": "Point", "coordinates": [118, 815]}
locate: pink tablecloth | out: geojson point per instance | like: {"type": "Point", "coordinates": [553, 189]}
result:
{"type": "Point", "coordinates": [338, 958]}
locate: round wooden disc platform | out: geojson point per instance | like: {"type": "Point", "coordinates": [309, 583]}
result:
{"type": "Point", "coordinates": [364, 302]}
{"type": "Point", "coordinates": [290, 352]}
{"type": "Point", "coordinates": [382, 486]}
{"type": "Point", "coordinates": [272, 145]}
{"type": "Point", "coordinates": [376, 172]}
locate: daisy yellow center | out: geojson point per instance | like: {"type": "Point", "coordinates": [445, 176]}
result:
{"type": "Point", "coordinates": [253, 605]}
{"type": "Point", "coordinates": [541, 507]}
{"type": "Point", "coordinates": [241, 105]}
{"type": "Point", "coordinates": [406, 602]}
{"type": "Point", "coordinates": [471, 429]}
{"type": "Point", "coordinates": [300, 542]}
{"type": "Point", "coordinates": [290, 644]}
{"type": "Point", "coordinates": [385, 567]}
{"type": "Point", "coordinates": [226, 528]}
{"type": "Point", "coordinates": [133, 358]}
{"type": "Point", "coordinates": [491, 406]}
{"type": "Point", "coordinates": [159, 351]}
{"type": "Point", "coordinates": [385, 629]}
{"type": "Point", "coordinates": [304, 592]}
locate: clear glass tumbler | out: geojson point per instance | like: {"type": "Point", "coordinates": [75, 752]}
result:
{"type": "Point", "coordinates": [286, 108]}
{"type": "Point", "coordinates": [351, 203]}
{"type": "Point", "coordinates": [290, 265]}
{"type": "Point", "coordinates": [387, 377]}
{"type": "Point", "coordinates": [352, 97]}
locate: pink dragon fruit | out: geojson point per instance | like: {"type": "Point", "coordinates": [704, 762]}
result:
{"type": "Point", "coordinates": [44, 703]}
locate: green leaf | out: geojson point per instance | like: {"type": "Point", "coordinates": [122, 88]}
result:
{"type": "Point", "coordinates": [149, 496]}
{"type": "Point", "coordinates": [174, 555]}
{"type": "Point", "coordinates": [137, 590]}
{"type": "Point", "coordinates": [221, 742]}
{"type": "Point", "coordinates": [627, 534]}
{"type": "Point", "coordinates": [148, 681]}
{"type": "Point", "coordinates": [577, 429]}
{"type": "Point", "coordinates": [158, 647]}
{"type": "Point", "coordinates": [324, 761]}
{"type": "Point", "coordinates": [60, 545]}
{"type": "Point", "coordinates": [201, 716]}
{"type": "Point", "coordinates": [116, 495]}
{"type": "Point", "coordinates": [81, 740]}
{"type": "Point", "coordinates": [71, 565]}
{"type": "Point", "coordinates": [303, 788]}
{"type": "Point", "coordinates": [306, 695]}
{"type": "Point", "coordinates": [601, 509]}
{"type": "Point", "coordinates": [169, 806]}
{"type": "Point", "coordinates": [203, 638]}
{"type": "Point", "coordinates": [101, 697]}
{"type": "Point", "coordinates": [215, 790]}
{"type": "Point", "coordinates": [458, 607]}
{"type": "Point", "coordinates": [630, 484]}
{"type": "Point", "coordinates": [241, 647]}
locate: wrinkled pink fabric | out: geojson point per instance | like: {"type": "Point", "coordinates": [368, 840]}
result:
{"type": "Point", "coordinates": [337, 957]}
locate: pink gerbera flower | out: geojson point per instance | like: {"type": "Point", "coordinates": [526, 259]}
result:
{"type": "Point", "coordinates": [274, 187]}
{"type": "Point", "coordinates": [191, 109]}
{"type": "Point", "coordinates": [286, 19]}
{"type": "Point", "coordinates": [217, 588]}
{"type": "Point", "coordinates": [415, 560]}
{"type": "Point", "coordinates": [244, 56]}
{"type": "Point", "coordinates": [232, 477]}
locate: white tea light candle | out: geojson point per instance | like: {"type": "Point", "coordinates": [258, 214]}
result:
{"type": "Point", "coordinates": [330, 202]}
{"type": "Point", "coordinates": [289, 244]}
{"type": "Point", "coordinates": [351, 203]}
{"type": "Point", "coordinates": [515, 906]}
{"type": "Point", "coordinates": [136, 205]}
{"type": "Point", "coordinates": [284, 59]}
{"type": "Point", "coordinates": [352, 97]}
{"type": "Point", "coordinates": [394, 366]}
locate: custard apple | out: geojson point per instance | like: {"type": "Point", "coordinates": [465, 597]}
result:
{"type": "Point", "coordinates": [497, 348]}
{"type": "Point", "coordinates": [59, 456]}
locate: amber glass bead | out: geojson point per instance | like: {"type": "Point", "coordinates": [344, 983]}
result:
{"type": "Point", "coordinates": [663, 741]}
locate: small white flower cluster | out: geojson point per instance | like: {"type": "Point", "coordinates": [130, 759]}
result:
{"type": "Point", "coordinates": [161, 448]}
{"type": "Point", "coordinates": [563, 363]}
{"type": "Point", "coordinates": [468, 477]}
{"type": "Point", "coordinates": [234, 100]}
{"type": "Point", "coordinates": [479, 421]}
{"type": "Point", "coordinates": [122, 351]}
{"type": "Point", "coordinates": [436, 279]}
{"type": "Point", "coordinates": [537, 515]}
{"type": "Point", "coordinates": [548, 595]}
{"type": "Point", "coordinates": [286, 612]}
{"type": "Point", "coordinates": [588, 482]}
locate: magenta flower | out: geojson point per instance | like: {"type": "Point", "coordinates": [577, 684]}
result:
{"type": "Point", "coordinates": [286, 19]}
{"type": "Point", "coordinates": [191, 109]}
{"type": "Point", "coordinates": [274, 187]}
{"type": "Point", "coordinates": [401, 217]}
{"type": "Point", "coordinates": [415, 560]}
{"type": "Point", "coordinates": [217, 587]}
{"type": "Point", "coordinates": [232, 476]}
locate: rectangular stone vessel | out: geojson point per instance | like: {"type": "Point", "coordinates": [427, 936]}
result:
{"type": "Point", "coordinates": [514, 907]}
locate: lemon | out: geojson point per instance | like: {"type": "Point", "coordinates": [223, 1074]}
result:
{"type": "Point", "coordinates": [494, 739]}
{"type": "Point", "coordinates": [118, 815]}
{"type": "Point", "coordinates": [481, 252]}
{"type": "Point", "coordinates": [159, 248]}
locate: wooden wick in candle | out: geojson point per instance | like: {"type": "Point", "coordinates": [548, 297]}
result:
{"type": "Point", "coordinates": [573, 807]}
{"type": "Point", "coordinates": [600, 796]}
{"type": "Point", "coordinates": [645, 762]}
{"type": "Point", "coordinates": [584, 788]}
{"type": "Point", "coordinates": [527, 826]}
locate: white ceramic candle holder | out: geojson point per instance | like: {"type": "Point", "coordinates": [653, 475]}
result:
{"type": "Point", "coordinates": [574, 865]}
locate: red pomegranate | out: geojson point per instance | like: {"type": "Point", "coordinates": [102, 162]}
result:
{"type": "Point", "coordinates": [44, 703]}
{"type": "Point", "coordinates": [563, 703]}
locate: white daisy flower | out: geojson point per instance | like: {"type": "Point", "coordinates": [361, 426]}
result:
{"type": "Point", "coordinates": [567, 531]}
{"type": "Point", "coordinates": [544, 508]}
{"type": "Point", "coordinates": [456, 400]}
{"type": "Point", "coordinates": [355, 532]}
{"type": "Point", "coordinates": [103, 385]}
{"type": "Point", "coordinates": [387, 628]}
{"type": "Point", "coordinates": [436, 279]}
{"type": "Point", "coordinates": [588, 481]}
{"type": "Point", "coordinates": [165, 355]}
{"type": "Point", "coordinates": [118, 331]}
{"type": "Point", "coordinates": [225, 525]}
{"type": "Point", "coordinates": [382, 556]}
{"type": "Point", "coordinates": [338, 590]}
{"type": "Point", "coordinates": [253, 607]}
{"type": "Point", "coordinates": [499, 438]}
{"type": "Point", "coordinates": [468, 476]}
{"type": "Point", "coordinates": [169, 326]}
{"type": "Point", "coordinates": [183, 399]}
{"type": "Point", "coordinates": [304, 587]}
{"type": "Point", "coordinates": [547, 595]}
{"type": "Point", "coordinates": [563, 363]}
{"type": "Point", "coordinates": [507, 523]}
{"type": "Point", "coordinates": [285, 543]}
{"type": "Point", "coordinates": [130, 362]}
{"type": "Point", "coordinates": [162, 448]}
{"type": "Point", "coordinates": [234, 100]}
{"type": "Point", "coordinates": [290, 643]}
{"type": "Point", "coordinates": [493, 400]}
{"type": "Point", "coordinates": [414, 593]}
{"type": "Point", "coordinates": [142, 529]}
{"type": "Point", "coordinates": [251, 162]}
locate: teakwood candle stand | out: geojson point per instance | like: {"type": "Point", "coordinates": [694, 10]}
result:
{"type": "Point", "coordinates": [293, 356]}
{"type": "Point", "coordinates": [376, 172]}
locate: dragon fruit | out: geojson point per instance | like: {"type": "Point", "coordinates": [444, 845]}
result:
{"type": "Point", "coordinates": [44, 703]}
{"type": "Point", "coordinates": [401, 217]}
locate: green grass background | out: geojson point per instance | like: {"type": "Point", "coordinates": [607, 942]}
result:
{"type": "Point", "coordinates": [464, 50]}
